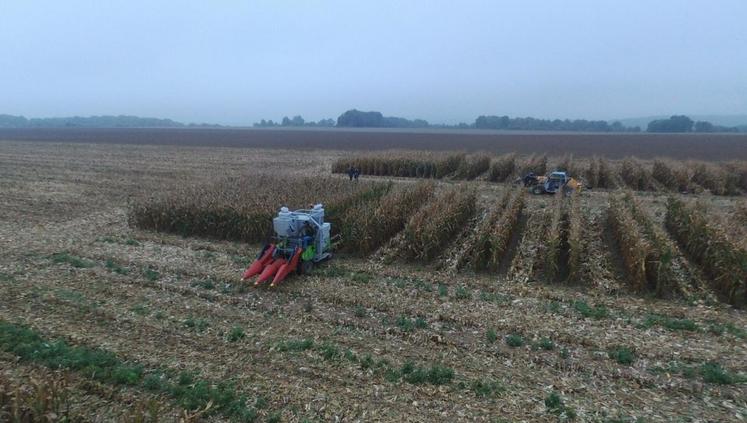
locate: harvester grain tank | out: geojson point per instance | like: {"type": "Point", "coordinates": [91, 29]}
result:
{"type": "Point", "coordinates": [302, 238]}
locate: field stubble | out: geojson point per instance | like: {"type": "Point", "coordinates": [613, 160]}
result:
{"type": "Point", "coordinates": [359, 339]}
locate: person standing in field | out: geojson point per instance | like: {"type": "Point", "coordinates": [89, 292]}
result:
{"type": "Point", "coordinates": [351, 172]}
{"type": "Point", "coordinates": [356, 173]}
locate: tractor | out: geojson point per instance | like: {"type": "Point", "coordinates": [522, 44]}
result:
{"type": "Point", "coordinates": [302, 239]}
{"type": "Point", "coordinates": [551, 184]}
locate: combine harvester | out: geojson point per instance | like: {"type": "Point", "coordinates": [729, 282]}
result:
{"type": "Point", "coordinates": [302, 238]}
{"type": "Point", "coordinates": [555, 182]}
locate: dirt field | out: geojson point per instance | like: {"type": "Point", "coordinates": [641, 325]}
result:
{"type": "Point", "coordinates": [361, 339]}
{"type": "Point", "coordinates": [643, 145]}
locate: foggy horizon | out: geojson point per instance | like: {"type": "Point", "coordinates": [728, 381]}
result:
{"type": "Point", "coordinates": [235, 64]}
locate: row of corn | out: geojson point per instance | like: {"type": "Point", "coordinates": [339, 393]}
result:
{"type": "Point", "coordinates": [493, 235]}
{"type": "Point", "coordinates": [435, 224]}
{"type": "Point", "coordinates": [706, 243]}
{"type": "Point", "coordinates": [368, 227]}
{"type": "Point", "coordinates": [241, 208]}
{"type": "Point", "coordinates": [564, 245]}
{"type": "Point", "coordinates": [414, 165]}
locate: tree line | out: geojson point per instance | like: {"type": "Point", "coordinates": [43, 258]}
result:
{"type": "Point", "coordinates": [372, 119]}
{"type": "Point", "coordinates": [121, 121]}
{"type": "Point", "coordinates": [682, 123]}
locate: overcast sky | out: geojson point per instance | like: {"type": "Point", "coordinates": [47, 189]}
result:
{"type": "Point", "coordinates": [235, 62]}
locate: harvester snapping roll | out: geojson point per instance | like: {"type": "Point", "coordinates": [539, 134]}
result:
{"type": "Point", "coordinates": [302, 238]}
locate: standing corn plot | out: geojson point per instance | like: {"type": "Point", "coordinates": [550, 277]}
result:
{"type": "Point", "coordinates": [476, 250]}
{"type": "Point", "coordinates": [472, 167]}
{"type": "Point", "coordinates": [659, 256]}
{"type": "Point", "coordinates": [576, 244]}
{"type": "Point", "coordinates": [672, 175]}
{"type": "Point", "coordinates": [556, 239]}
{"type": "Point", "coordinates": [645, 250]}
{"type": "Point", "coordinates": [436, 224]}
{"type": "Point", "coordinates": [494, 233]}
{"type": "Point", "coordinates": [411, 164]}
{"type": "Point", "coordinates": [241, 208]}
{"type": "Point", "coordinates": [370, 226]}
{"type": "Point", "coordinates": [631, 242]}
{"type": "Point", "coordinates": [502, 168]}
{"type": "Point", "coordinates": [535, 164]}
{"type": "Point", "coordinates": [599, 174]}
{"type": "Point", "coordinates": [708, 246]}
{"type": "Point", "coordinates": [564, 244]}
{"type": "Point", "coordinates": [717, 179]}
{"type": "Point", "coordinates": [635, 175]}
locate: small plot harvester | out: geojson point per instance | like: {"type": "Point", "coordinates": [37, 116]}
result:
{"type": "Point", "coordinates": [301, 239]}
{"type": "Point", "coordinates": [554, 182]}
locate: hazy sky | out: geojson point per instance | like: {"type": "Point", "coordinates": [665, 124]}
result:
{"type": "Point", "coordinates": [235, 62]}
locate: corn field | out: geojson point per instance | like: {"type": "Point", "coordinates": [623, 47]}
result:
{"type": "Point", "coordinates": [437, 222]}
{"type": "Point", "coordinates": [241, 208]}
{"type": "Point", "coordinates": [413, 165]}
{"type": "Point", "coordinates": [727, 179]}
{"type": "Point", "coordinates": [477, 252]}
{"type": "Point", "coordinates": [716, 179]}
{"type": "Point", "coordinates": [502, 168]}
{"type": "Point", "coordinates": [599, 174]}
{"type": "Point", "coordinates": [707, 245]}
{"type": "Point", "coordinates": [564, 243]}
{"type": "Point", "coordinates": [635, 175]}
{"type": "Point", "coordinates": [672, 175]}
{"type": "Point", "coordinates": [556, 238]}
{"type": "Point", "coordinates": [534, 163]}
{"type": "Point", "coordinates": [372, 224]}
{"type": "Point", "coordinates": [494, 233]}
{"type": "Point", "coordinates": [632, 244]}
{"type": "Point", "coordinates": [472, 167]}
{"type": "Point", "coordinates": [576, 241]}
{"type": "Point", "coordinates": [659, 256]}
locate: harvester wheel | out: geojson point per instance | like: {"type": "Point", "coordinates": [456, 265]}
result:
{"type": "Point", "coordinates": [304, 267]}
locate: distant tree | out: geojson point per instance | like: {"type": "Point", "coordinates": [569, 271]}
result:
{"type": "Point", "coordinates": [533, 124]}
{"type": "Point", "coordinates": [704, 126]}
{"type": "Point", "coordinates": [676, 123]}
{"type": "Point", "coordinates": [357, 118]}
{"type": "Point", "coordinates": [297, 121]}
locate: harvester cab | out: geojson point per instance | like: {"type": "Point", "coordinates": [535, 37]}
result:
{"type": "Point", "coordinates": [302, 238]}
